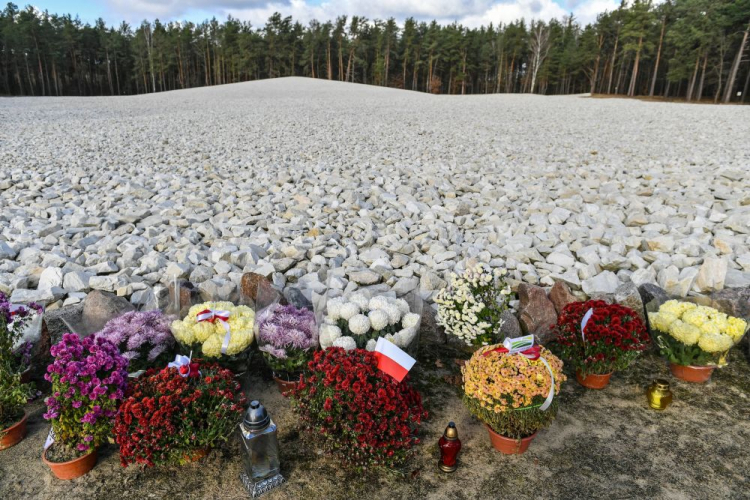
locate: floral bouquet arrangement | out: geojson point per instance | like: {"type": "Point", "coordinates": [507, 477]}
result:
{"type": "Point", "coordinates": [357, 322]}
{"type": "Point", "coordinates": [511, 387]}
{"type": "Point", "coordinates": [171, 414]}
{"type": "Point", "coordinates": [599, 338]}
{"type": "Point", "coordinates": [88, 380]}
{"type": "Point", "coordinates": [360, 414]}
{"type": "Point", "coordinates": [693, 335]}
{"type": "Point", "coordinates": [287, 336]}
{"type": "Point", "coordinates": [219, 329]}
{"type": "Point", "coordinates": [471, 307]}
{"type": "Point", "coordinates": [143, 338]}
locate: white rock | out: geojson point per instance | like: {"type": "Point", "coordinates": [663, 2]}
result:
{"type": "Point", "coordinates": [50, 277]}
{"type": "Point", "coordinates": [604, 282]}
{"type": "Point", "coordinates": [711, 275]}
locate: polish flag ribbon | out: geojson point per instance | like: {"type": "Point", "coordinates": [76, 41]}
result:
{"type": "Point", "coordinates": [392, 360]}
{"type": "Point", "coordinates": [526, 348]}
{"type": "Point", "coordinates": [212, 316]}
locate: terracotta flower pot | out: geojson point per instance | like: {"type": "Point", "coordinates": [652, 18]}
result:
{"type": "Point", "coordinates": [196, 455]}
{"type": "Point", "coordinates": [74, 468]}
{"type": "Point", "coordinates": [285, 386]}
{"type": "Point", "coordinates": [695, 374]}
{"type": "Point", "coordinates": [593, 381]}
{"type": "Point", "coordinates": [509, 446]}
{"type": "Point", "coordinates": [13, 434]}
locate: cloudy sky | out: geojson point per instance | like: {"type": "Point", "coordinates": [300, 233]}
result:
{"type": "Point", "coordinates": [468, 12]}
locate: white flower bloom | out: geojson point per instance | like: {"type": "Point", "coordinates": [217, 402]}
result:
{"type": "Point", "coordinates": [359, 324]}
{"type": "Point", "coordinates": [378, 302]}
{"type": "Point", "coordinates": [334, 308]}
{"type": "Point", "coordinates": [348, 310]}
{"type": "Point", "coordinates": [402, 305]}
{"type": "Point", "coordinates": [378, 319]}
{"type": "Point", "coordinates": [410, 320]}
{"type": "Point", "coordinates": [328, 334]}
{"type": "Point", "coordinates": [360, 299]}
{"type": "Point", "coordinates": [390, 338]}
{"type": "Point", "coordinates": [347, 343]}
{"type": "Point", "coordinates": [394, 314]}
{"type": "Point", "coordinates": [371, 345]}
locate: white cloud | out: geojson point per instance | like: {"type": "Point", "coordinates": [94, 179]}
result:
{"type": "Point", "coordinates": [472, 13]}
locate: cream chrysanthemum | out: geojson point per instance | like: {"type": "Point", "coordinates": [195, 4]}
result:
{"type": "Point", "coordinates": [411, 320]}
{"type": "Point", "coordinates": [684, 332]}
{"type": "Point", "coordinates": [359, 324]}
{"type": "Point", "coordinates": [378, 319]}
{"type": "Point", "coordinates": [347, 343]}
{"type": "Point", "coordinates": [348, 310]}
{"type": "Point", "coordinates": [328, 335]}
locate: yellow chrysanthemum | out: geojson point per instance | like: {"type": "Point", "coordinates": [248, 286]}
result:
{"type": "Point", "coordinates": [695, 317]}
{"type": "Point", "coordinates": [684, 332]}
{"type": "Point", "coordinates": [676, 308]}
{"type": "Point", "coordinates": [736, 328]}
{"type": "Point", "coordinates": [715, 342]}
{"type": "Point", "coordinates": [211, 335]}
{"type": "Point", "coordinates": [661, 320]}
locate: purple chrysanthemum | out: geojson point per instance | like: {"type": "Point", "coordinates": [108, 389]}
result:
{"type": "Point", "coordinates": [286, 327]}
{"type": "Point", "coordinates": [141, 336]}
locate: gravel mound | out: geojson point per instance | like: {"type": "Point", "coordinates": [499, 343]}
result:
{"type": "Point", "coordinates": [326, 184]}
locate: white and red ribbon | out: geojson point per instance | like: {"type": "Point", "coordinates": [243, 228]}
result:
{"type": "Point", "coordinates": [585, 321]}
{"type": "Point", "coordinates": [179, 362]}
{"type": "Point", "coordinates": [526, 348]}
{"type": "Point", "coordinates": [221, 316]}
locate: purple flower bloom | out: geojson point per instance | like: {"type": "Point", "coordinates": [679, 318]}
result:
{"type": "Point", "coordinates": [140, 336]}
{"type": "Point", "coordinates": [285, 327]}
{"type": "Point", "coordinates": [90, 376]}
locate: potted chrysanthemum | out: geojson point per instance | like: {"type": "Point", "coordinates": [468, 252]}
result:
{"type": "Point", "coordinates": [287, 337]}
{"type": "Point", "coordinates": [695, 339]}
{"type": "Point", "coordinates": [144, 338]}
{"type": "Point", "coordinates": [13, 391]}
{"type": "Point", "coordinates": [357, 321]}
{"type": "Point", "coordinates": [512, 389]}
{"type": "Point", "coordinates": [599, 338]}
{"type": "Point", "coordinates": [88, 380]}
{"type": "Point", "coordinates": [471, 307]}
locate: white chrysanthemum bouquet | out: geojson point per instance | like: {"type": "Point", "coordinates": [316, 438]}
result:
{"type": "Point", "coordinates": [472, 305]}
{"type": "Point", "coordinates": [218, 328]}
{"type": "Point", "coordinates": [356, 322]}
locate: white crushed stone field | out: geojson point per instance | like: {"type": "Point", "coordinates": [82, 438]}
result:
{"type": "Point", "coordinates": [296, 176]}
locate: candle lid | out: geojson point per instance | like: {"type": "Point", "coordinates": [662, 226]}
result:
{"type": "Point", "coordinates": [256, 416]}
{"type": "Point", "coordinates": [451, 432]}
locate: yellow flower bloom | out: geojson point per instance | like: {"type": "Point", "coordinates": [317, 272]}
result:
{"type": "Point", "coordinates": [684, 332]}
{"type": "Point", "coordinates": [661, 320]}
{"type": "Point", "coordinates": [736, 328]}
{"type": "Point", "coordinates": [715, 342]}
{"type": "Point", "coordinates": [211, 335]}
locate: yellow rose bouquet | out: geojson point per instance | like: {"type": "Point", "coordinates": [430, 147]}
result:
{"type": "Point", "coordinates": [219, 329]}
{"type": "Point", "coordinates": [693, 335]}
{"type": "Point", "coordinates": [512, 388]}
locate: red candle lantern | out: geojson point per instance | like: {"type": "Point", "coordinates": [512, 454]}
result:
{"type": "Point", "coordinates": [449, 445]}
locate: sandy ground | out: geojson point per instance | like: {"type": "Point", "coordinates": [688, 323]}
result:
{"type": "Point", "coordinates": [603, 444]}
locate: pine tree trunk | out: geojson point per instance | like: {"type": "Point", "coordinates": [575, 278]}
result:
{"type": "Point", "coordinates": [634, 76]}
{"type": "Point", "coordinates": [735, 67]}
{"type": "Point", "coordinates": [689, 94]}
{"type": "Point", "coordinates": [328, 58]}
{"type": "Point", "coordinates": [699, 92]}
{"type": "Point", "coordinates": [612, 64]}
{"type": "Point", "coordinates": [658, 57]}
